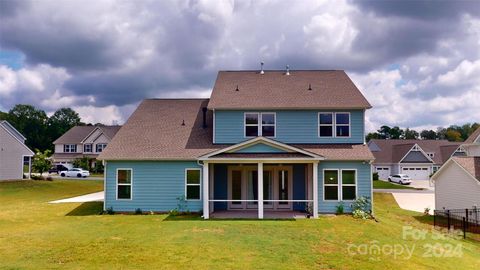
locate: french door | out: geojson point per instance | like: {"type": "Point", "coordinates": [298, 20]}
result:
{"type": "Point", "coordinates": [243, 185]}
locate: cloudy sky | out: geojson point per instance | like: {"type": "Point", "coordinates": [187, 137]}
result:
{"type": "Point", "coordinates": [418, 63]}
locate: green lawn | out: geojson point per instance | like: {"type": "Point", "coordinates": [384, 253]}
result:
{"type": "Point", "coordinates": [37, 235]}
{"type": "Point", "coordinates": [380, 184]}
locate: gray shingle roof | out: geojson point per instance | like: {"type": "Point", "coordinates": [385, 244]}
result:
{"type": "Point", "coordinates": [155, 132]}
{"type": "Point", "coordinates": [392, 151]}
{"type": "Point", "coordinates": [77, 134]}
{"type": "Point", "coordinates": [473, 136]}
{"type": "Point", "coordinates": [74, 135]}
{"type": "Point", "coordinates": [470, 164]}
{"type": "Point", "coordinates": [331, 89]}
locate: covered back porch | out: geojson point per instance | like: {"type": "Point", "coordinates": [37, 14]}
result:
{"type": "Point", "coordinates": [265, 188]}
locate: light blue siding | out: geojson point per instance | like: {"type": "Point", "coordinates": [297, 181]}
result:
{"type": "Point", "coordinates": [364, 183]}
{"type": "Point", "coordinates": [156, 185]}
{"type": "Point", "coordinates": [291, 127]}
{"type": "Point", "coordinates": [260, 148]}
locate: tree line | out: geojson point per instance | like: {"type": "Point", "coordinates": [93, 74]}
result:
{"type": "Point", "coordinates": [452, 133]}
{"type": "Point", "coordinates": [39, 129]}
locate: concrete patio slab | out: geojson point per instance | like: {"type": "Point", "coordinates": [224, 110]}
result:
{"type": "Point", "coordinates": [415, 201]}
{"type": "Point", "coordinates": [92, 197]}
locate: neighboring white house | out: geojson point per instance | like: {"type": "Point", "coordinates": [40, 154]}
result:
{"type": "Point", "coordinates": [416, 158]}
{"type": "Point", "coordinates": [81, 141]}
{"type": "Point", "coordinates": [457, 183]}
{"type": "Point", "coordinates": [14, 154]}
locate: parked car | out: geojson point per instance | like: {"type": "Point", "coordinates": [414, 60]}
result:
{"type": "Point", "coordinates": [75, 172]}
{"type": "Point", "coordinates": [57, 169]}
{"type": "Point", "coordinates": [402, 179]}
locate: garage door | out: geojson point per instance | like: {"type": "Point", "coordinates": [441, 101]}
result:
{"type": "Point", "coordinates": [383, 173]}
{"type": "Point", "coordinates": [417, 173]}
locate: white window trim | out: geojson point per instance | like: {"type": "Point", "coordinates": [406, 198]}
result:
{"type": "Point", "coordinates": [340, 185]}
{"type": "Point", "coordinates": [70, 148]}
{"type": "Point", "coordinates": [349, 185]}
{"type": "Point", "coordinates": [331, 185]}
{"type": "Point", "coordinates": [349, 125]}
{"type": "Point", "coordinates": [334, 125]}
{"type": "Point", "coordinates": [326, 125]}
{"type": "Point", "coordinates": [118, 184]}
{"type": "Point", "coordinates": [199, 184]}
{"type": "Point", "coordinates": [259, 124]}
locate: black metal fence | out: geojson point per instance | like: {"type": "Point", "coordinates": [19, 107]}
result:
{"type": "Point", "coordinates": [467, 220]}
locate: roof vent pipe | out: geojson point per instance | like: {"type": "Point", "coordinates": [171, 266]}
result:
{"type": "Point", "coordinates": [204, 109]}
{"type": "Point", "coordinates": [261, 68]}
{"type": "Point", "coordinates": [288, 70]}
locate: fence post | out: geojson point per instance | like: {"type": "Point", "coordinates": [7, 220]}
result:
{"type": "Point", "coordinates": [466, 216]}
{"type": "Point", "coordinates": [448, 219]}
{"type": "Point", "coordinates": [434, 217]}
{"type": "Point", "coordinates": [464, 228]}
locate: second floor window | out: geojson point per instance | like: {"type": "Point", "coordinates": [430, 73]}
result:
{"type": "Point", "coordinates": [100, 147]}
{"type": "Point", "coordinates": [69, 148]}
{"type": "Point", "coordinates": [87, 148]}
{"type": "Point", "coordinates": [260, 124]}
{"type": "Point", "coordinates": [334, 124]}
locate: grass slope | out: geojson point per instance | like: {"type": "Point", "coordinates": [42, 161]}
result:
{"type": "Point", "coordinates": [38, 235]}
{"type": "Point", "coordinates": [380, 184]}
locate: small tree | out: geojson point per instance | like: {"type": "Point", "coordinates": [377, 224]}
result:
{"type": "Point", "coordinates": [41, 163]}
{"type": "Point", "coordinates": [83, 162]}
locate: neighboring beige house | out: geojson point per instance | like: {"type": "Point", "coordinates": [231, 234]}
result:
{"type": "Point", "coordinates": [457, 183]}
{"type": "Point", "coordinates": [14, 154]}
{"type": "Point", "coordinates": [81, 141]}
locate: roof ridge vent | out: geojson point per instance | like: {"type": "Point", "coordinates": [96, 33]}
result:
{"type": "Point", "coordinates": [261, 68]}
{"type": "Point", "coordinates": [288, 70]}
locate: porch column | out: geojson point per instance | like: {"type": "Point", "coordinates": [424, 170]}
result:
{"type": "Point", "coordinates": [315, 189]}
{"type": "Point", "coordinates": [206, 196]}
{"type": "Point", "coordinates": [260, 190]}
{"type": "Point", "coordinates": [30, 167]}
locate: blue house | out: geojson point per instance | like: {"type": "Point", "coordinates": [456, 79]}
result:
{"type": "Point", "coordinates": [266, 143]}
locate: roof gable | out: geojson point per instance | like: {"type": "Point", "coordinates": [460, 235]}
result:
{"type": "Point", "coordinates": [260, 147]}
{"type": "Point", "coordinates": [392, 151]}
{"type": "Point", "coordinates": [108, 131]}
{"type": "Point", "coordinates": [13, 131]}
{"type": "Point", "coordinates": [75, 135]}
{"type": "Point", "coordinates": [262, 144]}
{"type": "Point", "coordinates": [474, 137]}
{"type": "Point", "coordinates": [471, 165]}
{"type": "Point", "coordinates": [17, 136]}
{"type": "Point", "coordinates": [330, 89]}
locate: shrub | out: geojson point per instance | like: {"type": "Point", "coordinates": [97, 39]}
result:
{"type": "Point", "coordinates": [174, 212]}
{"type": "Point", "coordinates": [309, 208]}
{"type": "Point", "coordinates": [361, 208]}
{"type": "Point", "coordinates": [110, 211]}
{"type": "Point", "coordinates": [37, 177]}
{"type": "Point", "coordinates": [375, 176]}
{"type": "Point", "coordinates": [99, 168]}
{"type": "Point", "coordinates": [340, 208]}
{"type": "Point", "coordinates": [138, 211]}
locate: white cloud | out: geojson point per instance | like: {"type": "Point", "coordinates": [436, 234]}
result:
{"type": "Point", "coordinates": [104, 56]}
{"type": "Point", "coordinates": [109, 115]}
